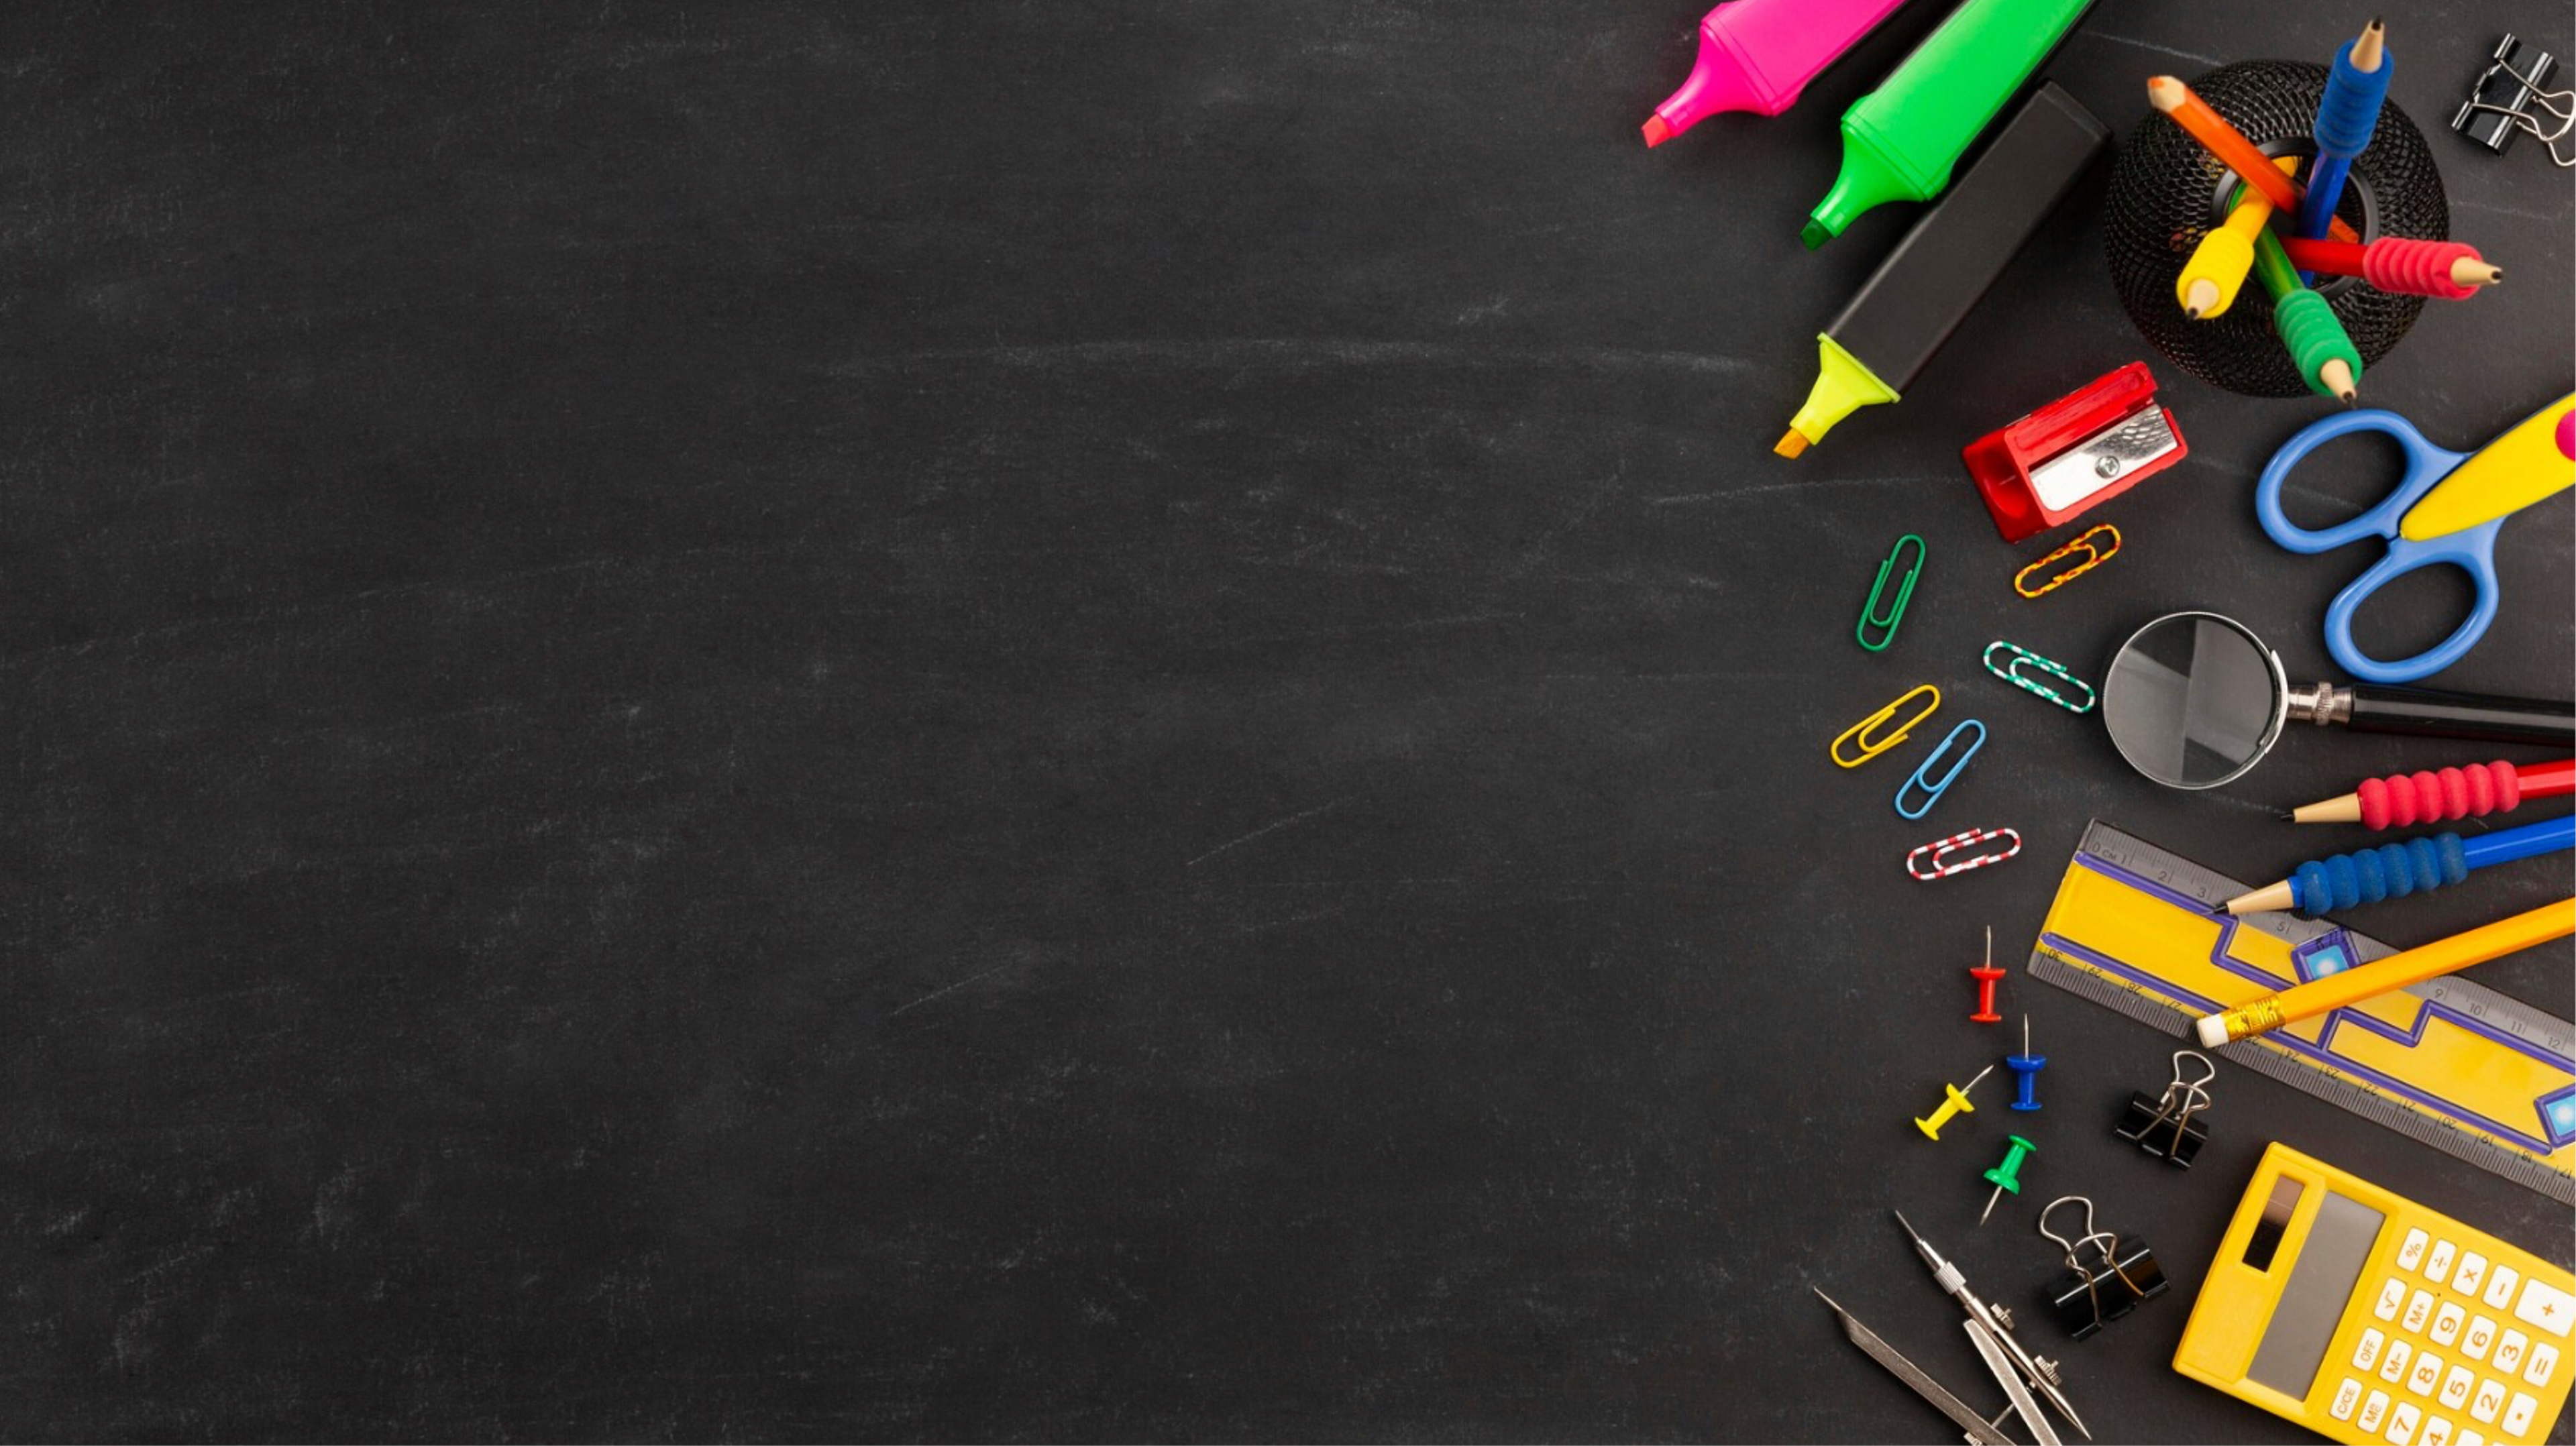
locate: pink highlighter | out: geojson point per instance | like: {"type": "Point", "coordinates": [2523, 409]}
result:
{"type": "Point", "coordinates": [1757, 55]}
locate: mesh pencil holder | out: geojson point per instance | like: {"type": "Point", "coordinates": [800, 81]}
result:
{"type": "Point", "coordinates": [2167, 192]}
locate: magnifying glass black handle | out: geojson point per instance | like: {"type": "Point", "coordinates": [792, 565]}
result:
{"type": "Point", "coordinates": [2432, 713]}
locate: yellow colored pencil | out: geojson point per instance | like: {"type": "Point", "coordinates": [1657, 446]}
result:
{"type": "Point", "coordinates": [2414, 966]}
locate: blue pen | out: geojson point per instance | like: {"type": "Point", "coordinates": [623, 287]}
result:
{"type": "Point", "coordinates": [2392, 871]}
{"type": "Point", "coordinates": [2346, 117]}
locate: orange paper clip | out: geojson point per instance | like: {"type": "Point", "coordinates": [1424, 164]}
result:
{"type": "Point", "coordinates": [1858, 734]}
{"type": "Point", "coordinates": [2094, 556]}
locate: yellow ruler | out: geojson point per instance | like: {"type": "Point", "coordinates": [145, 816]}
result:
{"type": "Point", "coordinates": [2464, 1069]}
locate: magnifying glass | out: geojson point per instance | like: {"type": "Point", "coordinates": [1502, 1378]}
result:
{"type": "Point", "coordinates": [2194, 700]}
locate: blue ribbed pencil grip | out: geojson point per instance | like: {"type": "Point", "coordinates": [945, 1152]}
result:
{"type": "Point", "coordinates": [2390, 871]}
{"type": "Point", "coordinates": [2349, 110]}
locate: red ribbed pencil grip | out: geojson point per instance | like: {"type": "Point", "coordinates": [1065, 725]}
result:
{"type": "Point", "coordinates": [2417, 268]}
{"type": "Point", "coordinates": [2402, 799]}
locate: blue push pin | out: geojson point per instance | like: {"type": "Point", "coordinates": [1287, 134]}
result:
{"type": "Point", "coordinates": [2025, 1067]}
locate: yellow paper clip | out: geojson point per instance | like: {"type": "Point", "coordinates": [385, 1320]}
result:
{"type": "Point", "coordinates": [2095, 556]}
{"type": "Point", "coordinates": [1858, 734]}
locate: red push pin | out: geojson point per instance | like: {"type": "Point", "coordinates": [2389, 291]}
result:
{"type": "Point", "coordinates": [1987, 977]}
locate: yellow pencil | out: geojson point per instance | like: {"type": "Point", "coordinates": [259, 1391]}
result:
{"type": "Point", "coordinates": [2218, 265]}
{"type": "Point", "coordinates": [2352, 986]}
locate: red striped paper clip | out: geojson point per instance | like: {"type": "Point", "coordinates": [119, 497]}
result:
{"type": "Point", "coordinates": [1938, 853]}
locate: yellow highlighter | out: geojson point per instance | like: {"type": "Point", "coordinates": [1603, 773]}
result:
{"type": "Point", "coordinates": [2220, 263]}
{"type": "Point", "coordinates": [2366, 1317]}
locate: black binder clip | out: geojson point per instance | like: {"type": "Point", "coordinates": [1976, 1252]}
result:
{"type": "Point", "coordinates": [2104, 1279]}
{"type": "Point", "coordinates": [2507, 99]}
{"type": "Point", "coordinates": [2168, 1125]}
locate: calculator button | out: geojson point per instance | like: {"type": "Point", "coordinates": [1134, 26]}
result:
{"type": "Point", "coordinates": [2490, 1400]}
{"type": "Point", "coordinates": [2437, 1432]}
{"type": "Point", "coordinates": [2446, 1323]}
{"type": "Point", "coordinates": [2411, 1254]}
{"type": "Point", "coordinates": [2547, 1307]}
{"type": "Point", "coordinates": [2419, 1309]}
{"type": "Point", "coordinates": [2392, 1294]}
{"type": "Point", "coordinates": [2456, 1387]}
{"type": "Point", "coordinates": [2473, 1273]}
{"type": "Point", "coordinates": [2438, 1263]}
{"type": "Point", "coordinates": [2468, 1437]}
{"type": "Point", "coordinates": [2517, 1417]}
{"type": "Point", "coordinates": [2401, 1425]}
{"type": "Point", "coordinates": [2366, 1354]}
{"type": "Point", "coordinates": [2509, 1348]}
{"type": "Point", "coordinates": [2394, 1368]}
{"type": "Point", "coordinates": [2481, 1334]}
{"type": "Point", "coordinates": [2428, 1369]}
{"type": "Point", "coordinates": [2347, 1396]}
{"type": "Point", "coordinates": [2500, 1284]}
{"type": "Point", "coordinates": [2373, 1411]}
{"type": "Point", "coordinates": [2544, 1360]}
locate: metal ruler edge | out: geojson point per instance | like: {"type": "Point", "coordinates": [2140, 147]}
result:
{"type": "Point", "coordinates": [2524, 1021]}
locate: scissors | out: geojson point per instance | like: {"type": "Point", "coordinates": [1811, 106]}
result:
{"type": "Point", "coordinates": [2446, 509]}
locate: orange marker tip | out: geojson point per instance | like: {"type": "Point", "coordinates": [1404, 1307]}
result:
{"type": "Point", "coordinates": [1658, 130]}
{"type": "Point", "coordinates": [1792, 443]}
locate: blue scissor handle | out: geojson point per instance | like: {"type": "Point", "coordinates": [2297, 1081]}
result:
{"type": "Point", "coordinates": [2426, 465]}
{"type": "Point", "coordinates": [2472, 552]}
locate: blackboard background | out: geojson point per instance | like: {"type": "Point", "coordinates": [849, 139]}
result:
{"type": "Point", "coordinates": [1074, 721]}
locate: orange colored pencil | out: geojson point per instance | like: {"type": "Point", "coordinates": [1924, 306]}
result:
{"type": "Point", "coordinates": [2231, 148]}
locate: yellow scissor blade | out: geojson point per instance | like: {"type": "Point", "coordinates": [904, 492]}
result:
{"type": "Point", "coordinates": [2509, 474]}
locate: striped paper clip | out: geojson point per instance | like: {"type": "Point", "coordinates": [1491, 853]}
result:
{"type": "Point", "coordinates": [1921, 780]}
{"type": "Point", "coordinates": [2094, 556]}
{"type": "Point", "coordinates": [1858, 735]}
{"type": "Point", "coordinates": [2010, 672]}
{"type": "Point", "coordinates": [1936, 861]}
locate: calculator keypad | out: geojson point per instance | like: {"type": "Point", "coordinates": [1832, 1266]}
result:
{"type": "Point", "coordinates": [2431, 1369]}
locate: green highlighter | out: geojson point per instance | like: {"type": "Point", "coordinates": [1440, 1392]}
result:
{"type": "Point", "coordinates": [1901, 140]}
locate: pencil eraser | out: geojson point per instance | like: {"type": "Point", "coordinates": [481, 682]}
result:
{"type": "Point", "coordinates": [2211, 1030]}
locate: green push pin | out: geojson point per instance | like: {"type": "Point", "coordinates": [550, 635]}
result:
{"type": "Point", "coordinates": [2007, 1176]}
{"type": "Point", "coordinates": [1957, 1103]}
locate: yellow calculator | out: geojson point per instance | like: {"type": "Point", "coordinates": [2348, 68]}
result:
{"type": "Point", "coordinates": [2363, 1316]}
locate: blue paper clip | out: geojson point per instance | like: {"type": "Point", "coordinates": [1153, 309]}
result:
{"type": "Point", "coordinates": [1932, 791]}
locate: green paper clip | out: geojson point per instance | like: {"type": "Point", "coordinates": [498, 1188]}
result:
{"type": "Point", "coordinates": [2010, 672]}
{"type": "Point", "coordinates": [1869, 617]}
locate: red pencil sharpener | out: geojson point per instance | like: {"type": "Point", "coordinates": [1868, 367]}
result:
{"type": "Point", "coordinates": [2078, 450]}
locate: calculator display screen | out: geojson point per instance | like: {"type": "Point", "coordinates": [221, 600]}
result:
{"type": "Point", "coordinates": [2312, 1304]}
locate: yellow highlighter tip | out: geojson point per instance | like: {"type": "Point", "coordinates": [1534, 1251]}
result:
{"type": "Point", "coordinates": [1792, 443]}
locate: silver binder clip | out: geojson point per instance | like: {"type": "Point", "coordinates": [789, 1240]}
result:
{"type": "Point", "coordinates": [2508, 99]}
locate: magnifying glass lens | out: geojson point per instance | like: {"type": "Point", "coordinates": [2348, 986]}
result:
{"type": "Point", "coordinates": [2192, 700]}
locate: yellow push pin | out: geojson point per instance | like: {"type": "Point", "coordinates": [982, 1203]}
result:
{"type": "Point", "coordinates": [1956, 1104]}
